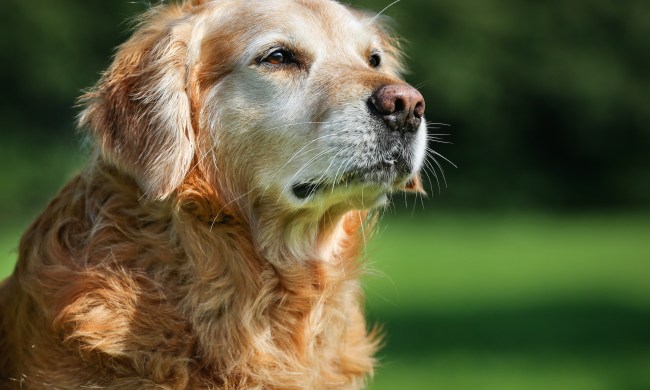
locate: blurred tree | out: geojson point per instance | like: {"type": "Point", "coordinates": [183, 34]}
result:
{"type": "Point", "coordinates": [548, 101]}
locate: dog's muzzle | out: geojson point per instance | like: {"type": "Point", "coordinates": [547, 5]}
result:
{"type": "Point", "coordinates": [399, 108]}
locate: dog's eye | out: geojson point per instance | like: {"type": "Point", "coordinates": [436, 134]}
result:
{"type": "Point", "coordinates": [279, 57]}
{"type": "Point", "coordinates": [375, 60]}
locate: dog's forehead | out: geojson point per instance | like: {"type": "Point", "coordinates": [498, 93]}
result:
{"type": "Point", "coordinates": [317, 23]}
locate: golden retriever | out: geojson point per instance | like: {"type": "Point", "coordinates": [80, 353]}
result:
{"type": "Point", "coordinates": [211, 242]}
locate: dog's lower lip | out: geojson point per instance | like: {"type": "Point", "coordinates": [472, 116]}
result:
{"type": "Point", "coordinates": [382, 176]}
{"type": "Point", "coordinates": [305, 190]}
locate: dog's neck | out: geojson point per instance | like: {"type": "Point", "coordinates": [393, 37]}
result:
{"type": "Point", "coordinates": [270, 274]}
{"type": "Point", "coordinates": [288, 243]}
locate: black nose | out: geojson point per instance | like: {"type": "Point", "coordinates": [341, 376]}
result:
{"type": "Point", "coordinates": [400, 106]}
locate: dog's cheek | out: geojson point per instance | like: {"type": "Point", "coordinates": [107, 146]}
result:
{"type": "Point", "coordinates": [249, 116]}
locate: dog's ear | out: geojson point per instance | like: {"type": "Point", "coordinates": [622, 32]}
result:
{"type": "Point", "coordinates": [139, 113]}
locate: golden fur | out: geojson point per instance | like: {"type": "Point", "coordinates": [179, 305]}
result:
{"type": "Point", "coordinates": [169, 263]}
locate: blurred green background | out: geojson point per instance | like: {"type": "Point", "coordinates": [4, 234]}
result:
{"type": "Point", "coordinates": [530, 270]}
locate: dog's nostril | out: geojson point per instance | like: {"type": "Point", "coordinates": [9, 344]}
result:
{"type": "Point", "coordinates": [399, 105]}
{"type": "Point", "coordinates": [419, 109]}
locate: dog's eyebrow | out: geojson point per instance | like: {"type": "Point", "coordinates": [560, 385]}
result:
{"type": "Point", "coordinates": [267, 42]}
{"type": "Point", "coordinates": [263, 45]}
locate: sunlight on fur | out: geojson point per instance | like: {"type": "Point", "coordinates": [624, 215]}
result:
{"type": "Point", "coordinates": [213, 239]}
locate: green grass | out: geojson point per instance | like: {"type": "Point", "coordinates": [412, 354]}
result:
{"type": "Point", "coordinates": [467, 260]}
{"type": "Point", "coordinates": [8, 248]}
{"type": "Point", "coordinates": [471, 371]}
{"type": "Point", "coordinates": [512, 302]}
{"type": "Point", "coordinates": [515, 301]}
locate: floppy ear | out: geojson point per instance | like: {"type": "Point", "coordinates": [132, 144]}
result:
{"type": "Point", "coordinates": [139, 113]}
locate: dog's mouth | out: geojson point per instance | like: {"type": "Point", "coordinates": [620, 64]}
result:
{"type": "Point", "coordinates": [307, 189]}
{"type": "Point", "coordinates": [388, 181]}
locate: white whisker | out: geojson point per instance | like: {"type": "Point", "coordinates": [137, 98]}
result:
{"type": "Point", "coordinates": [384, 10]}
{"type": "Point", "coordinates": [438, 141]}
{"type": "Point", "coordinates": [307, 164]}
{"type": "Point", "coordinates": [444, 158]}
{"type": "Point", "coordinates": [320, 178]}
{"type": "Point", "coordinates": [298, 124]}
{"type": "Point", "coordinates": [427, 164]}
{"type": "Point", "coordinates": [363, 234]}
{"type": "Point", "coordinates": [442, 171]}
{"type": "Point", "coordinates": [420, 84]}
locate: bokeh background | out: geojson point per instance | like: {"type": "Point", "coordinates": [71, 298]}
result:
{"type": "Point", "coordinates": [529, 269]}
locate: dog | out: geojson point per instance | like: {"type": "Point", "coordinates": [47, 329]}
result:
{"type": "Point", "coordinates": [212, 240]}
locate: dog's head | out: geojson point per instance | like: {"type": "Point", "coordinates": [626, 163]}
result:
{"type": "Point", "coordinates": [294, 102]}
